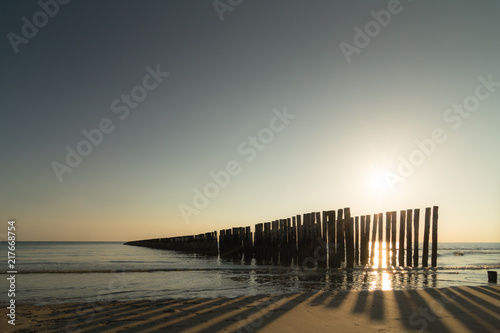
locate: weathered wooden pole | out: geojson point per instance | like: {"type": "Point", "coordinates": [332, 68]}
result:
{"type": "Point", "coordinates": [347, 217]}
{"type": "Point", "coordinates": [427, 226]}
{"type": "Point", "coordinates": [402, 225]}
{"type": "Point", "coordinates": [409, 226]}
{"type": "Point", "coordinates": [307, 234]}
{"type": "Point", "coordinates": [416, 222]}
{"type": "Point", "coordinates": [222, 242]}
{"type": "Point", "coordinates": [367, 239]}
{"type": "Point", "coordinates": [293, 243]}
{"type": "Point", "coordinates": [374, 234]}
{"type": "Point", "coordinates": [319, 249]}
{"type": "Point", "coordinates": [300, 239]}
{"type": "Point", "coordinates": [380, 237]}
{"type": "Point", "coordinates": [275, 241]}
{"type": "Point", "coordinates": [434, 236]}
{"type": "Point", "coordinates": [349, 242]}
{"type": "Point", "coordinates": [324, 231]}
{"type": "Point", "coordinates": [393, 238]}
{"type": "Point", "coordinates": [340, 238]}
{"type": "Point", "coordinates": [267, 240]}
{"type": "Point", "coordinates": [332, 240]}
{"type": "Point", "coordinates": [388, 219]}
{"type": "Point", "coordinates": [356, 240]}
{"type": "Point", "coordinates": [282, 240]}
{"type": "Point", "coordinates": [362, 238]}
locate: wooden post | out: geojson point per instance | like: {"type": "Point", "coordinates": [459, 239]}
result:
{"type": "Point", "coordinates": [393, 239]}
{"type": "Point", "coordinates": [388, 219]}
{"type": "Point", "coordinates": [294, 239]}
{"type": "Point", "coordinates": [374, 233]}
{"type": "Point", "coordinates": [349, 242]}
{"type": "Point", "coordinates": [409, 226]}
{"type": "Point", "coordinates": [347, 217]}
{"type": "Point", "coordinates": [434, 236]}
{"type": "Point", "coordinates": [340, 238]}
{"type": "Point", "coordinates": [324, 231]}
{"type": "Point", "coordinates": [356, 241]}
{"type": "Point", "coordinates": [402, 224]}
{"type": "Point", "coordinates": [416, 222]}
{"type": "Point", "coordinates": [275, 242]}
{"type": "Point", "coordinates": [222, 243]}
{"type": "Point", "coordinates": [367, 239]}
{"type": "Point", "coordinates": [300, 239]}
{"type": "Point", "coordinates": [267, 240]}
{"type": "Point", "coordinates": [427, 226]}
{"type": "Point", "coordinates": [331, 239]}
{"type": "Point", "coordinates": [318, 238]}
{"type": "Point", "coordinates": [362, 238]}
{"type": "Point", "coordinates": [380, 237]}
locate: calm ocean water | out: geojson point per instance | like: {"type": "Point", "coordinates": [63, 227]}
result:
{"type": "Point", "coordinates": [57, 272]}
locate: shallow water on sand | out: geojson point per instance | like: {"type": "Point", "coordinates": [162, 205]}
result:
{"type": "Point", "coordinates": [54, 272]}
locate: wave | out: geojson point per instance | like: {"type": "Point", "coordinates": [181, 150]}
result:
{"type": "Point", "coordinates": [466, 252]}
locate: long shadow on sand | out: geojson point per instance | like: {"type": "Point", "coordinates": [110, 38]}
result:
{"type": "Point", "coordinates": [453, 309]}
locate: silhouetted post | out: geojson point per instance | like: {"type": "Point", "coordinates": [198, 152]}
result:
{"type": "Point", "coordinates": [320, 254]}
{"type": "Point", "coordinates": [275, 240]}
{"type": "Point", "coordinates": [307, 235]}
{"type": "Point", "coordinates": [427, 226]}
{"type": "Point", "coordinates": [434, 235]}
{"type": "Point", "coordinates": [289, 251]}
{"type": "Point", "coordinates": [282, 240]}
{"type": "Point", "coordinates": [367, 239]}
{"type": "Point", "coordinates": [324, 232]}
{"type": "Point", "coordinates": [340, 238]}
{"type": "Point", "coordinates": [374, 234]}
{"type": "Point", "coordinates": [221, 242]}
{"type": "Point", "coordinates": [409, 226]}
{"type": "Point", "coordinates": [294, 239]}
{"type": "Point", "coordinates": [402, 224]}
{"type": "Point", "coordinates": [318, 234]}
{"type": "Point", "coordinates": [388, 219]}
{"type": "Point", "coordinates": [267, 240]}
{"type": "Point", "coordinates": [416, 222]}
{"type": "Point", "coordinates": [362, 238]}
{"type": "Point", "coordinates": [347, 216]}
{"type": "Point", "coordinates": [356, 241]}
{"type": "Point", "coordinates": [380, 237]}
{"type": "Point", "coordinates": [393, 239]}
{"type": "Point", "coordinates": [349, 242]}
{"type": "Point", "coordinates": [331, 239]}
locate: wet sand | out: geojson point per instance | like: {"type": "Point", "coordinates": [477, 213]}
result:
{"type": "Point", "coordinates": [455, 309]}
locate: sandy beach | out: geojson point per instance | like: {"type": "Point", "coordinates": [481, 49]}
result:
{"type": "Point", "coordinates": [456, 309]}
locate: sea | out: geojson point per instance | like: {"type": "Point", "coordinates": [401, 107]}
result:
{"type": "Point", "coordinates": [101, 272]}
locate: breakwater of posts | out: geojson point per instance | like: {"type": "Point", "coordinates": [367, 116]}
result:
{"type": "Point", "coordinates": [331, 238]}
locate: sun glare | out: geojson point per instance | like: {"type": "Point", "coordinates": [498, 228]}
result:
{"type": "Point", "coordinates": [379, 183]}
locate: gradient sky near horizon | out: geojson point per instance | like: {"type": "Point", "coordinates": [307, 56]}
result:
{"type": "Point", "coordinates": [354, 121]}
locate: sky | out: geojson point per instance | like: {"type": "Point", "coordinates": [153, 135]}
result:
{"type": "Point", "coordinates": [143, 119]}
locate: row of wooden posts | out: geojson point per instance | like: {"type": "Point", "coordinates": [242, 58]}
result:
{"type": "Point", "coordinates": [333, 239]}
{"type": "Point", "coordinates": [202, 243]}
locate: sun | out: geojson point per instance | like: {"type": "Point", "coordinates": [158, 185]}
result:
{"type": "Point", "coordinates": [379, 183]}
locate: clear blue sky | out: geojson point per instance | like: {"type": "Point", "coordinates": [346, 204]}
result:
{"type": "Point", "coordinates": [351, 106]}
